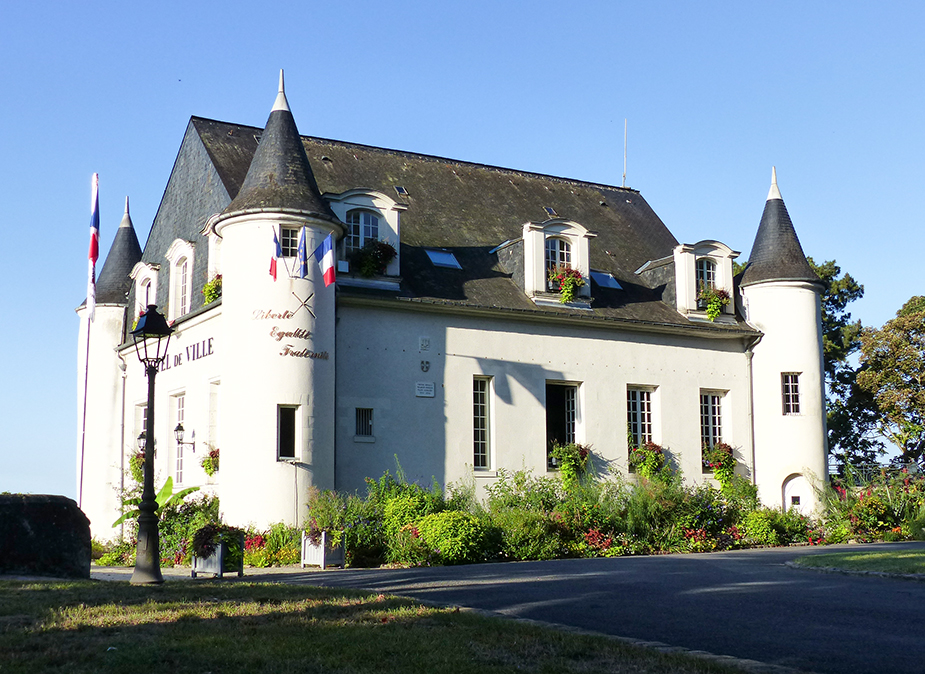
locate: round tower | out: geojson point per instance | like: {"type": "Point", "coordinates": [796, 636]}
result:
{"type": "Point", "coordinates": [101, 452]}
{"type": "Point", "coordinates": [278, 333]}
{"type": "Point", "coordinates": [782, 298]}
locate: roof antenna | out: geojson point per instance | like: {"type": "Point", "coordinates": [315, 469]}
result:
{"type": "Point", "coordinates": [624, 152]}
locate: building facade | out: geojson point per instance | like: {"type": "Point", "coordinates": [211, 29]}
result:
{"type": "Point", "coordinates": [443, 344]}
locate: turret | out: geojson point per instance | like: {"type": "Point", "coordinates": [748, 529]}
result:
{"type": "Point", "coordinates": [278, 381]}
{"type": "Point", "coordinates": [781, 296]}
{"type": "Point", "coordinates": [101, 452]}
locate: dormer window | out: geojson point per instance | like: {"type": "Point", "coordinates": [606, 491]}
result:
{"type": "Point", "coordinates": [552, 244]}
{"type": "Point", "coordinates": [145, 277]}
{"type": "Point", "coordinates": [368, 216]}
{"type": "Point", "coordinates": [180, 256]}
{"type": "Point", "coordinates": [701, 271]}
{"type": "Point", "coordinates": [362, 227]}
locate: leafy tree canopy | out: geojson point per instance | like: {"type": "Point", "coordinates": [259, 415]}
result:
{"type": "Point", "coordinates": [894, 374]}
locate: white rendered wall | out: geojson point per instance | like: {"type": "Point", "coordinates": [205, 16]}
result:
{"type": "Point", "coordinates": [271, 350]}
{"type": "Point", "coordinates": [380, 367]}
{"type": "Point", "coordinates": [788, 313]}
{"type": "Point", "coordinates": [194, 360]}
{"type": "Point", "coordinates": [99, 442]}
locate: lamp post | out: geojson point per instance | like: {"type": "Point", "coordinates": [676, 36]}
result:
{"type": "Point", "coordinates": [151, 337]}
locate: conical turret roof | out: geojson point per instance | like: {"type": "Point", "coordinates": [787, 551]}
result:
{"type": "Point", "coordinates": [114, 281]}
{"type": "Point", "coordinates": [776, 254]}
{"type": "Point", "coordinates": [280, 177]}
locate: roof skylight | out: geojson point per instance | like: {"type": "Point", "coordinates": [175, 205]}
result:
{"type": "Point", "coordinates": [605, 280]}
{"type": "Point", "coordinates": [443, 258]}
{"type": "Point", "coordinates": [401, 190]}
{"type": "Point", "coordinates": [550, 211]}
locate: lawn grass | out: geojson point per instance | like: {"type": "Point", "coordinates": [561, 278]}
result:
{"type": "Point", "coordinates": [890, 561]}
{"type": "Point", "coordinates": [93, 626]}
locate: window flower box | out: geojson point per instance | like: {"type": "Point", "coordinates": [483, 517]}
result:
{"type": "Point", "coordinates": [321, 553]}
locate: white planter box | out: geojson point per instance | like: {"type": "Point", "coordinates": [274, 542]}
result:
{"type": "Point", "coordinates": [216, 563]}
{"type": "Point", "coordinates": [321, 554]}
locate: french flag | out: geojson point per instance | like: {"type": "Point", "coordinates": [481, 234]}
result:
{"type": "Point", "coordinates": [325, 256]}
{"type": "Point", "coordinates": [277, 253]}
{"type": "Point", "coordinates": [94, 253]}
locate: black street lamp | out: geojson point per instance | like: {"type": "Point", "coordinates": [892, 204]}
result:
{"type": "Point", "coordinates": [151, 336]}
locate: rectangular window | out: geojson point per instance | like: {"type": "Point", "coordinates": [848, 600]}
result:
{"type": "Point", "coordinates": [364, 422]}
{"type": "Point", "coordinates": [481, 388]}
{"type": "Point", "coordinates": [561, 417]}
{"type": "Point", "coordinates": [639, 415]}
{"type": "Point", "coordinates": [285, 437]}
{"type": "Point", "coordinates": [180, 417]}
{"type": "Point", "coordinates": [289, 241]}
{"type": "Point", "coordinates": [790, 392]}
{"type": "Point", "coordinates": [711, 420]}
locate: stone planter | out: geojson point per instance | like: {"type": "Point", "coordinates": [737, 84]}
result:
{"type": "Point", "coordinates": [321, 554]}
{"type": "Point", "coordinates": [218, 563]}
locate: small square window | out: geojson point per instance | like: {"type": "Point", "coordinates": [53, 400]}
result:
{"type": "Point", "coordinates": [289, 241]}
{"type": "Point", "coordinates": [794, 500]}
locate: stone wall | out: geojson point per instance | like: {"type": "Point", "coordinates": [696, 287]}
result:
{"type": "Point", "coordinates": [43, 535]}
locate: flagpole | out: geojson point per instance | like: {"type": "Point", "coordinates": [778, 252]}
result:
{"type": "Point", "coordinates": [83, 430]}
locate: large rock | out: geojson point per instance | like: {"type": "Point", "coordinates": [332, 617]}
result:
{"type": "Point", "coordinates": [43, 535]}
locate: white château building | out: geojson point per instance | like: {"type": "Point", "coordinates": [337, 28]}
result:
{"type": "Point", "coordinates": [457, 357]}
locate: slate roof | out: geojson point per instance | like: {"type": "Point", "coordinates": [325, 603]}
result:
{"type": "Point", "coordinates": [467, 208]}
{"type": "Point", "coordinates": [113, 284]}
{"type": "Point", "coordinates": [776, 254]}
{"type": "Point", "coordinates": [280, 176]}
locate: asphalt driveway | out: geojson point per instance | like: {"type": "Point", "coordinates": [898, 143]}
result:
{"type": "Point", "coordinates": [743, 603]}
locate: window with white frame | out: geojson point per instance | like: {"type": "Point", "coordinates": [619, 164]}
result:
{"type": "Point", "coordinates": [711, 421]}
{"type": "Point", "coordinates": [145, 277]}
{"type": "Point", "coordinates": [179, 406]}
{"type": "Point", "coordinates": [638, 415]}
{"type": "Point", "coordinates": [180, 256]}
{"type": "Point", "coordinates": [481, 419]}
{"type": "Point", "coordinates": [558, 254]}
{"type": "Point", "coordinates": [286, 432]}
{"type": "Point", "coordinates": [790, 392]}
{"type": "Point", "coordinates": [706, 272]}
{"type": "Point", "coordinates": [561, 417]}
{"type": "Point", "coordinates": [362, 227]}
{"type": "Point", "coordinates": [182, 291]}
{"type": "Point", "coordinates": [141, 424]}
{"type": "Point", "coordinates": [289, 241]}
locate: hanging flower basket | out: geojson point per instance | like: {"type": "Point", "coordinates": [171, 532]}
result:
{"type": "Point", "coordinates": [712, 299]}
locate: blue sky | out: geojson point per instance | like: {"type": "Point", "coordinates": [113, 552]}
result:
{"type": "Point", "coordinates": [715, 93]}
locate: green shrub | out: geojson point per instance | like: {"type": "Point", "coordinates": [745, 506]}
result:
{"type": "Point", "coordinates": [522, 490]}
{"type": "Point", "coordinates": [760, 529]}
{"type": "Point", "coordinates": [364, 538]}
{"type": "Point", "coordinates": [118, 554]}
{"type": "Point", "coordinates": [406, 508]}
{"type": "Point", "coordinates": [284, 544]}
{"type": "Point", "coordinates": [791, 526]}
{"type": "Point", "coordinates": [917, 526]}
{"type": "Point", "coordinates": [327, 512]}
{"type": "Point", "coordinates": [527, 534]}
{"type": "Point", "coordinates": [454, 537]}
{"type": "Point", "coordinates": [179, 521]}
{"type": "Point", "coordinates": [572, 460]}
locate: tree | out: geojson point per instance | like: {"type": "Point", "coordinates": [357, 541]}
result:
{"type": "Point", "coordinates": [894, 375]}
{"type": "Point", "coordinates": [851, 414]}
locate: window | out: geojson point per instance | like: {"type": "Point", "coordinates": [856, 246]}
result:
{"type": "Point", "coordinates": [213, 413]}
{"type": "Point", "coordinates": [289, 241]}
{"type": "Point", "coordinates": [638, 416]}
{"type": "Point", "coordinates": [706, 272]}
{"type": "Point", "coordinates": [558, 254]}
{"type": "Point", "coordinates": [443, 258]}
{"type": "Point", "coordinates": [711, 421]}
{"type": "Point", "coordinates": [145, 277]}
{"type": "Point", "coordinates": [364, 422]}
{"type": "Point", "coordinates": [285, 436]}
{"type": "Point", "coordinates": [481, 387]}
{"type": "Point", "coordinates": [561, 417]}
{"type": "Point", "coordinates": [182, 292]}
{"type": "Point", "coordinates": [790, 392]}
{"type": "Point", "coordinates": [362, 227]}
{"type": "Point", "coordinates": [179, 301]}
{"type": "Point", "coordinates": [179, 407]}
